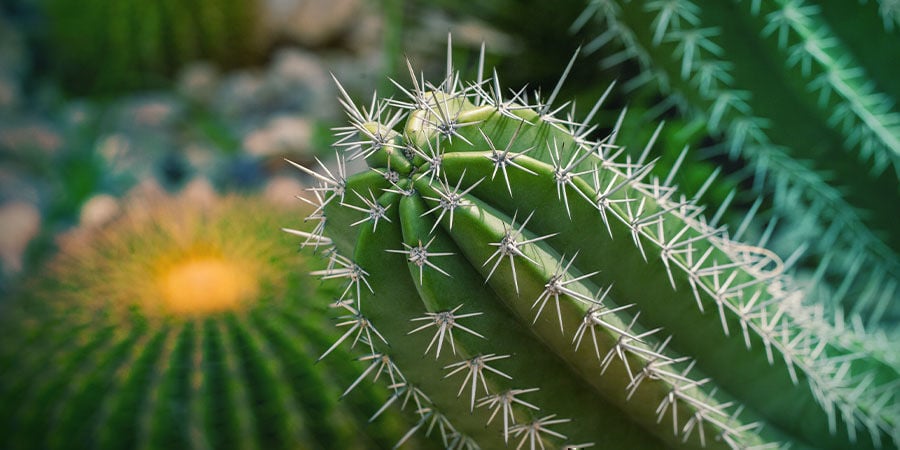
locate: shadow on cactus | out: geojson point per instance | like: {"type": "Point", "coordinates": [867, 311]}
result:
{"type": "Point", "coordinates": [522, 285]}
{"type": "Point", "coordinates": [805, 93]}
{"type": "Point", "coordinates": [181, 325]}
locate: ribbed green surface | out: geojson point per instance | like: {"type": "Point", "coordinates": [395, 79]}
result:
{"type": "Point", "coordinates": [85, 366]}
{"type": "Point", "coordinates": [805, 92]}
{"type": "Point", "coordinates": [498, 254]}
{"type": "Point", "coordinates": [108, 46]}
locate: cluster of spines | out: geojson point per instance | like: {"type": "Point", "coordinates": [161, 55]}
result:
{"type": "Point", "coordinates": [445, 321]}
{"type": "Point", "coordinates": [704, 86]}
{"type": "Point", "coordinates": [771, 317]}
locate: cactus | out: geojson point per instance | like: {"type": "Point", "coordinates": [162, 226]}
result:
{"type": "Point", "coordinates": [805, 94]}
{"type": "Point", "coordinates": [105, 47]}
{"type": "Point", "coordinates": [522, 284]}
{"type": "Point", "coordinates": [180, 326]}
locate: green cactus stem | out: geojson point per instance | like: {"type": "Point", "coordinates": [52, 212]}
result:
{"type": "Point", "coordinates": [805, 95]}
{"type": "Point", "coordinates": [181, 325]}
{"type": "Point", "coordinates": [530, 286]}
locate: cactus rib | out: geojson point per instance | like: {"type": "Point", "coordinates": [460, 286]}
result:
{"type": "Point", "coordinates": [94, 353]}
{"type": "Point", "coordinates": [707, 79]}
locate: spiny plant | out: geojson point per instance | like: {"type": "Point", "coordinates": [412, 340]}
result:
{"type": "Point", "coordinates": [180, 326]}
{"type": "Point", "coordinates": [805, 93]}
{"type": "Point", "coordinates": [100, 46]}
{"type": "Point", "coordinates": [521, 283]}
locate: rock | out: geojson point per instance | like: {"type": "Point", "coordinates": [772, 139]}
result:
{"type": "Point", "coordinates": [78, 113]}
{"type": "Point", "coordinates": [310, 23]}
{"type": "Point", "coordinates": [282, 191]}
{"type": "Point", "coordinates": [20, 222]}
{"type": "Point", "coordinates": [298, 82]}
{"type": "Point", "coordinates": [198, 82]}
{"type": "Point", "coordinates": [282, 136]}
{"type": "Point", "coordinates": [151, 112]}
{"type": "Point", "coordinates": [239, 94]}
{"type": "Point", "coordinates": [28, 136]}
{"type": "Point", "coordinates": [199, 191]}
{"type": "Point", "coordinates": [120, 157]}
{"type": "Point", "coordinates": [366, 35]}
{"type": "Point", "coordinates": [200, 156]}
{"type": "Point", "coordinates": [148, 190]}
{"type": "Point", "coordinates": [98, 211]}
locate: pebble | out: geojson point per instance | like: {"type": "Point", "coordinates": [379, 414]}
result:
{"type": "Point", "coordinates": [30, 135]}
{"type": "Point", "coordinates": [199, 192]}
{"type": "Point", "coordinates": [240, 94]}
{"type": "Point", "coordinates": [282, 136]}
{"type": "Point", "coordinates": [300, 83]}
{"type": "Point", "coordinates": [20, 222]}
{"type": "Point", "coordinates": [198, 82]}
{"type": "Point", "coordinates": [282, 191]}
{"type": "Point", "coordinates": [148, 113]}
{"type": "Point", "coordinates": [311, 23]}
{"type": "Point", "coordinates": [98, 211]}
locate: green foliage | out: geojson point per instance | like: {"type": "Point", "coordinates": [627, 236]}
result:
{"type": "Point", "coordinates": [94, 354]}
{"type": "Point", "coordinates": [100, 46]}
{"type": "Point", "coordinates": [523, 284]}
{"type": "Point", "coordinates": [804, 93]}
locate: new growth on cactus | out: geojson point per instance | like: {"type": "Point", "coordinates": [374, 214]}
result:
{"type": "Point", "coordinates": [521, 283]}
{"type": "Point", "coordinates": [806, 94]}
{"type": "Point", "coordinates": [181, 325]}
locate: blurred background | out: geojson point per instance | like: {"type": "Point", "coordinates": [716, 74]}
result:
{"type": "Point", "coordinates": [104, 101]}
{"type": "Point", "coordinates": [101, 101]}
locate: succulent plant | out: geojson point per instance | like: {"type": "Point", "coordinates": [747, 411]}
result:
{"type": "Point", "coordinates": [803, 92]}
{"type": "Point", "coordinates": [522, 284]}
{"type": "Point", "coordinates": [103, 47]}
{"type": "Point", "coordinates": [181, 325]}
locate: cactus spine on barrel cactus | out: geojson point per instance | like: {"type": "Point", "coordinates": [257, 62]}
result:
{"type": "Point", "coordinates": [182, 325]}
{"type": "Point", "coordinates": [806, 94]}
{"type": "Point", "coordinates": [520, 283]}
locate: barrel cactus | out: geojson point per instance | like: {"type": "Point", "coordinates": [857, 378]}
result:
{"type": "Point", "coordinates": [181, 325]}
{"type": "Point", "coordinates": [521, 283]}
{"type": "Point", "coordinates": [100, 46]}
{"type": "Point", "coordinates": [804, 92]}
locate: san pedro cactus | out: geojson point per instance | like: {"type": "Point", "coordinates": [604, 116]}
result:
{"type": "Point", "coordinates": [183, 325]}
{"type": "Point", "coordinates": [805, 92]}
{"type": "Point", "coordinates": [521, 284]}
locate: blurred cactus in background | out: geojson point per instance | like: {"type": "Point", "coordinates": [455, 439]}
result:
{"type": "Point", "coordinates": [805, 94]}
{"type": "Point", "coordinates": [184, 324]}
{"type": "Point", "coordinates": [103, 46]}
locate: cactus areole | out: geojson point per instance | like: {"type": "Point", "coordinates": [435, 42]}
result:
{"type": "Point", "coordinates": [519, 284]}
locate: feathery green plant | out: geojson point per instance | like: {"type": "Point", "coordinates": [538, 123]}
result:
{"type": "Point", "coordinates": [806, 93]}
{"type": "Point", "coordinates": [520, 283]}
{"type": "Point", "coordinates": [99, 46]}
{"type": "Point", "coordinates": [183, 327]}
